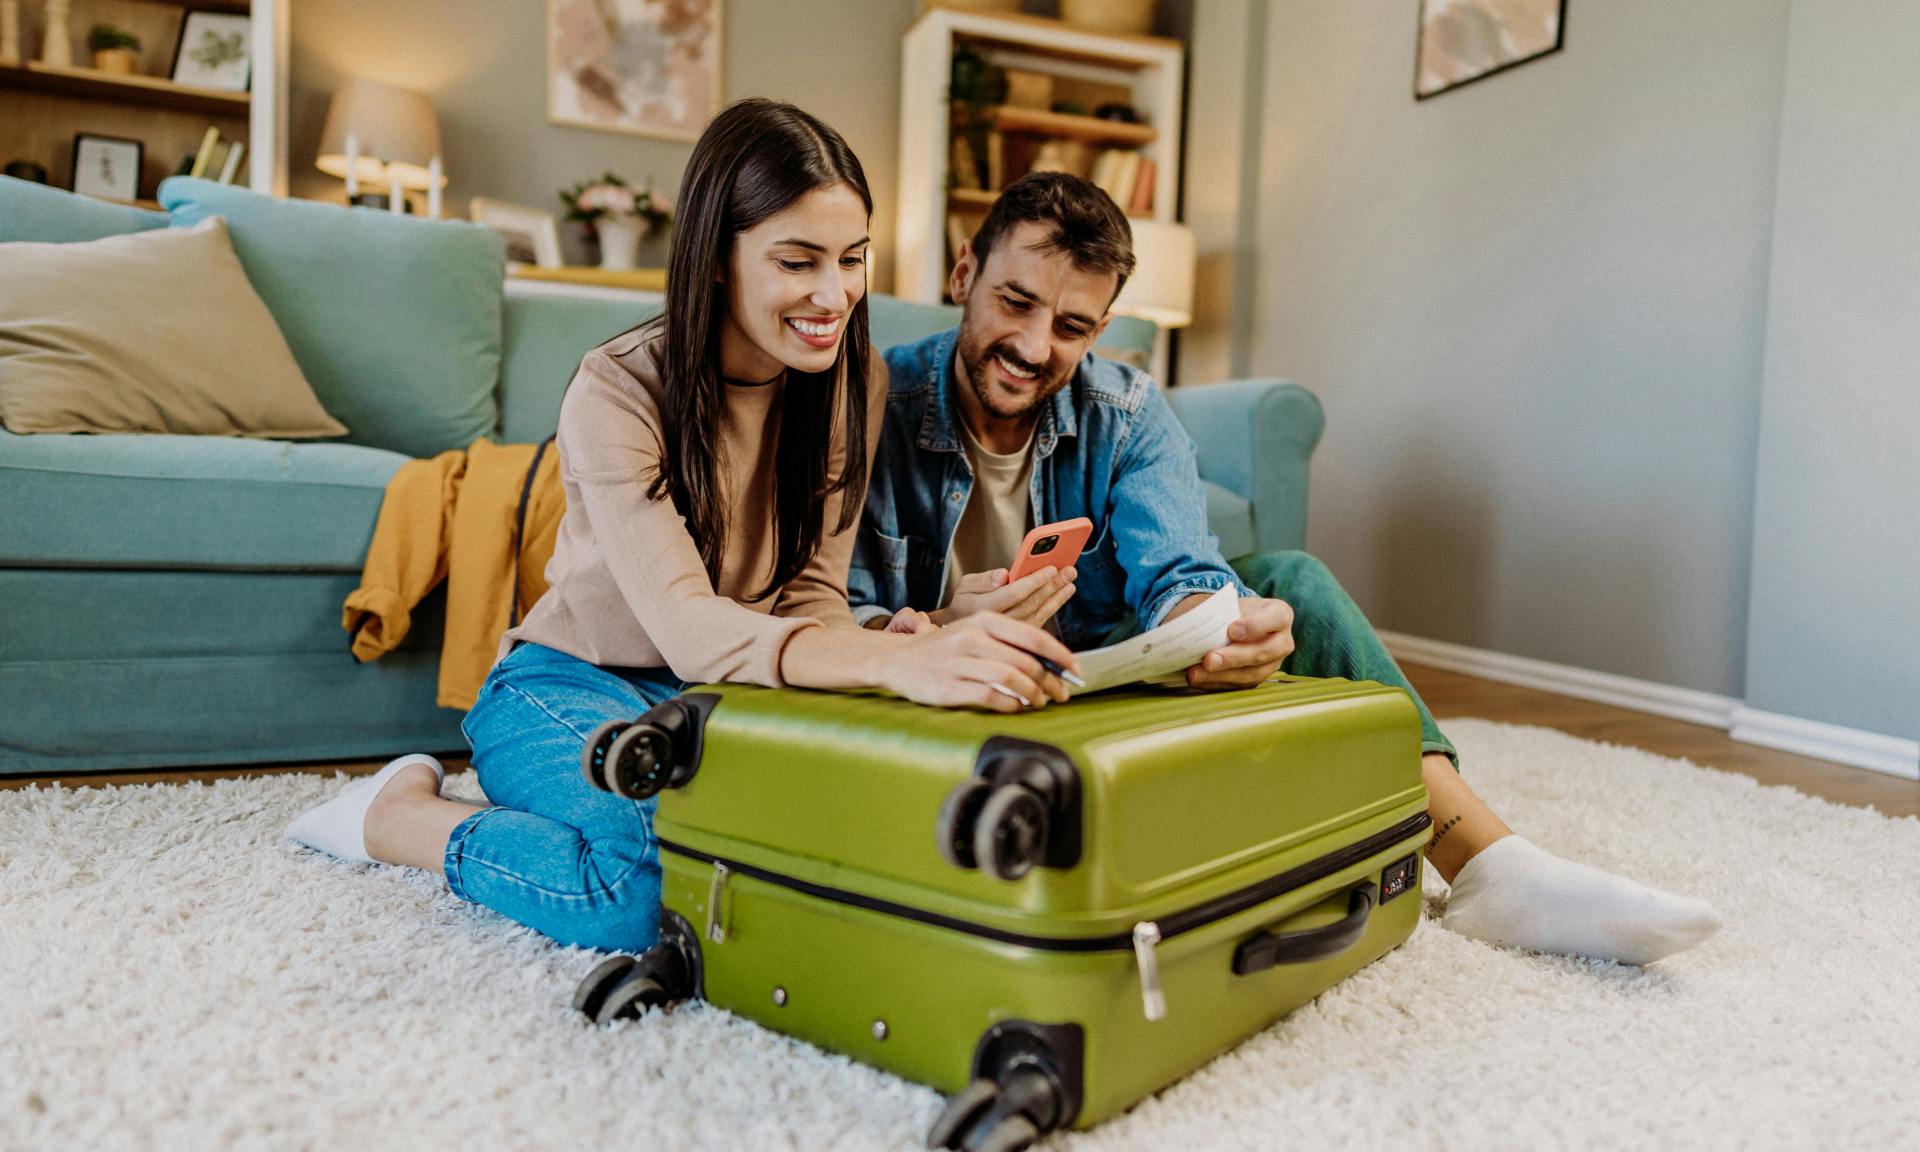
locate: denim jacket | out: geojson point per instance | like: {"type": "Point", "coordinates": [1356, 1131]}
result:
{"type": "Point", "coordinates": [1107, 447]}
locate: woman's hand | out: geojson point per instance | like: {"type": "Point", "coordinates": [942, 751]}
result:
{"type": "Point", "coordinates": [1033, 598]}
{"type": "Point", "coordinates": [910, 622]}
{"type": "Point", "coordinates": [982, 661]}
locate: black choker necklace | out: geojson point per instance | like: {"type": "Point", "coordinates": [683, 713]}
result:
{"type": "Point", "coordinates": [754, 383]}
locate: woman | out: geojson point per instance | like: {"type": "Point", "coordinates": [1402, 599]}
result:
{"type": "Point", "coordinates": [715, 463]}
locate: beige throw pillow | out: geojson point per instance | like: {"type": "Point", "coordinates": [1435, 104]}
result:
{"type": "Point", "coordinates": [154, 331]}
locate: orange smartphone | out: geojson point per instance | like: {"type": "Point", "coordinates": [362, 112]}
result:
{"type": "Point", "coordinates": [1051, 545]}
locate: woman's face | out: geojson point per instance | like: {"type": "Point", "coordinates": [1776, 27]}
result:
{"type": "Point", "coordinates": [793, 281]}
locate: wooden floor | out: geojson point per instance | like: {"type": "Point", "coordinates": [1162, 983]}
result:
{"type": "Point", "coordinates": [1449, 694]}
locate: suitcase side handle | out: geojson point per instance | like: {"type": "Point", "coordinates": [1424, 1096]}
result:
{"type": "Point", "coordinates": [1264, 950]}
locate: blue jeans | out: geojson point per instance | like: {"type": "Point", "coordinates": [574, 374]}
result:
{"type": "Point", "coordinates": [555, 853]}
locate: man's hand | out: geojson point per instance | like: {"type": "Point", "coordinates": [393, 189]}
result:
{"type": "Point", "coordinates": [910, 622]}
{"type": "Point", "coordinates": [1256, 645]}
{"type": "Point", "coordinates": [1032, 599]}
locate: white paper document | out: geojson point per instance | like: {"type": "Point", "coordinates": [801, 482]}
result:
{"type": "Point", "coordinates": [1167, 650]}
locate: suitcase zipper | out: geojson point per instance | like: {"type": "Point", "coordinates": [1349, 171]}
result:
{"type": "Point", "coordinates": [1146, 936]}
{"type": "Point", "coordinates": [1167, 927]}
{"type": "Point", "coordinates": [716, 922]}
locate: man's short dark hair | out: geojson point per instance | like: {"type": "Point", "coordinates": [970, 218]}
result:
{"type": "Point", "coordinates": [1085, 222]}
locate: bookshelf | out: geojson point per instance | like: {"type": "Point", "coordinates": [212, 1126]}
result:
{"type": "Point", "coordinates": [1077, 67]}
{"type": "Point", "coordinates": [43, 108]}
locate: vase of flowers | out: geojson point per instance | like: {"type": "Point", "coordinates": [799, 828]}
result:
{"type": "Point", "coordinates": [618, 214]}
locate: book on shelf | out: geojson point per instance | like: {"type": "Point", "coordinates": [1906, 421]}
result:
{"type": "Point", "coordinates": [966, 169]}
{"type": "Point", "coordinates": [204, 158]}
{"type": "Point", "coordinates": [1141, 203]}
{"type": "Point", "coordinates": [996, 161]}
{"type": "Point", "coordinates": [957, 234]}
{"type": "Point", "coordinates": [230, 167]}
{"type": "Point", "coordinates": [1126, 170]}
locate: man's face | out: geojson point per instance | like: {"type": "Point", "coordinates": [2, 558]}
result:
{"type": "Point", "coordinates": [1029, 316]}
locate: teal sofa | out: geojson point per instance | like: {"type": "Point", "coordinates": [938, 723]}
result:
{"type": "Point", "coordinates": [172, 601]}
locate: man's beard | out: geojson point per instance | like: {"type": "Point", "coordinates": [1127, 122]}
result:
{"type": "Point", "coordinates": [979, 371]}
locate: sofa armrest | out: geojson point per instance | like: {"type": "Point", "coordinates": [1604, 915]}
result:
{"type": "Point", "coordinates": [1256, 439]}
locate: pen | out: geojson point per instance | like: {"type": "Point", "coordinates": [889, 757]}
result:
{"type": "Point", "coordinates": [1006, 691]}
{"type": "Point", "coordinates": [1057, 670]}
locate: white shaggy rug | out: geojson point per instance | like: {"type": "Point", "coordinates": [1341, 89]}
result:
{"type": "Point", "coordinates": [173, 975]}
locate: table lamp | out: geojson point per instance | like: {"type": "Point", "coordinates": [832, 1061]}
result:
{"type": "Point", "coordinates": [387, 137]}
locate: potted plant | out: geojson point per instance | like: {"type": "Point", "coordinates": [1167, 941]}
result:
{"type": "Point", "coordinates": [114, 50]}
{"type": "Point", "coordinates": [618, 214]}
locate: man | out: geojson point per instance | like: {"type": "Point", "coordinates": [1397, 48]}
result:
{"type": "Point", "coordinates": [1011, 421]}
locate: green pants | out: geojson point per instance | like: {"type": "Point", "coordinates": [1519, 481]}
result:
{"type": "Point", "coordinates": [1331, 637]}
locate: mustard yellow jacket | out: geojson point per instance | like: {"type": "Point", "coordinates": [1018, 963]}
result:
{"type": "Point", "coordinates": [483, 520]}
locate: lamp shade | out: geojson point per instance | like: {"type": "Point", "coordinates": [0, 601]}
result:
{"type": "Point", "coordinates": [1161, 287]}
{"type": "Point", "coordinates": [395, 131]}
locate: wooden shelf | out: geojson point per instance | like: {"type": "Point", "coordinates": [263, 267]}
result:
{"type": "Point", "coordinates": [1086, 129]}
{"type": "Point", "coordinates": [238, 7]}
{"type": "Point", "coordinates": [974, 201]}
{"type": "Point", "coordinates": [149, 91]}
{"type": "Point", "coordinates": [632, 279]}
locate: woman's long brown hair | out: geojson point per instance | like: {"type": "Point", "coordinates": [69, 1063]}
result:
{"type": "Point", "coordinates": [755, 159]}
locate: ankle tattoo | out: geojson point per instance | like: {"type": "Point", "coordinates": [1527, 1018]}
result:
{"type": "Point", "coordinates": [1441, 831]}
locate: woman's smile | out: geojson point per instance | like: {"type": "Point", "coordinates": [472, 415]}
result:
{"type": "Point", "coordinates": [817, 331]}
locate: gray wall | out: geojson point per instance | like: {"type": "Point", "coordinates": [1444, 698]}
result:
{"type": "Point", "coordinates": [1535, 309]}
{"type": "Point", "coordinates": [484, 64]}
{"type": "Point", "coordinates": [1834, 632]}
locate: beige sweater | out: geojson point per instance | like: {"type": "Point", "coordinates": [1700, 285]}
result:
{"type": "Point", "coordinates": [627, 585]}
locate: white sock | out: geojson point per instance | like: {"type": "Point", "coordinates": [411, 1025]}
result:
{"type": "Point", "coordinates": [338, 827]}
{"type": "Point", "coordinates": [1518, 895]}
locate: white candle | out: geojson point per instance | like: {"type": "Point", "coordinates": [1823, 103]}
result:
{"type": "Point", "coordinates": [353, 167]}
{"type": "Point", "coordinates": [393, 192]}
{"type": "Point", "coordinates": [433, 189]}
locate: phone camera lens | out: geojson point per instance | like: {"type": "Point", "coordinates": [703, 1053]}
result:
{"type": "Point", "coordinates": [1045, 545]}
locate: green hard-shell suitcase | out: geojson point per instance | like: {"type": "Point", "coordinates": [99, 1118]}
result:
{"type": "Point", "coordinates": [1050, 915]}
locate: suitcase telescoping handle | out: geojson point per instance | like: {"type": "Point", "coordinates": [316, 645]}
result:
{"type": "Point", "coordinates": [1264, 950]}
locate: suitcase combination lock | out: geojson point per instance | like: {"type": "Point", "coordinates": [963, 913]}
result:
{"type": "Point", "coordinates": [1020, 809]}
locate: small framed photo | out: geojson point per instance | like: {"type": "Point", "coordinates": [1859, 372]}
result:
{"type": "Point", "coordinates": [107, 166]}
{"type": "Point", "coordinates": [215, 50]}
{"type": "Point", "coordinates": [533, 236]}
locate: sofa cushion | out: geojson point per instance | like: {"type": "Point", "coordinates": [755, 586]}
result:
{"type": "Point", "coordinates": [111, 335]}
{"type": "Point", "coordinates": [188, 502]}
{"type": "Point", "coordinates": [30, 211]}
{"type": "Point", "coordinates": [395, 321]}
{"type": "Point", "coordinates": [544, 337]}
{"type": "Point", "coordinates": [547, 332]}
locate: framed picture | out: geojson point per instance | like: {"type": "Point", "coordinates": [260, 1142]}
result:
{"type": "Point", "coordinates": [215, 50]}
{"type": "Point", "coordinates": [533, 236]}
{"type": "Point", "coordinates": [643, 67]}
{"type": "Point", "coordinates": [1466, 40]}
{"type": "Point", "coordinates": [107, 166]}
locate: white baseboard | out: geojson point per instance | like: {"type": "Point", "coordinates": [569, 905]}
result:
{"type": "Point", "coordinates": [1563, 679]}
{"type": "Point", "coordinates": [1850, 746]}
{"type": "Point", "coordinates": [1870, 750]}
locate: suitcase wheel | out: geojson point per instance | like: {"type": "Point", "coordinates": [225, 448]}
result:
{"type": "Point", "coordinates": [961, 1112]}
{"type": "Point", "coordinates": [1009, 1135]}
{"type": "Point", "coordinates": [592, 992]}
{"type": "Point", "coordinates": [639, 761]}
{"type": "Point", "coordinates": [625, 986]}
{"type": "Point", "coordinates": [988, 1116]}
{"type": "Point", "coordinates": [1010, 836]}
{"type": "Point", "coordinates": [593, 757]}
{"type": "Point", "coordinates": [959, 815]}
